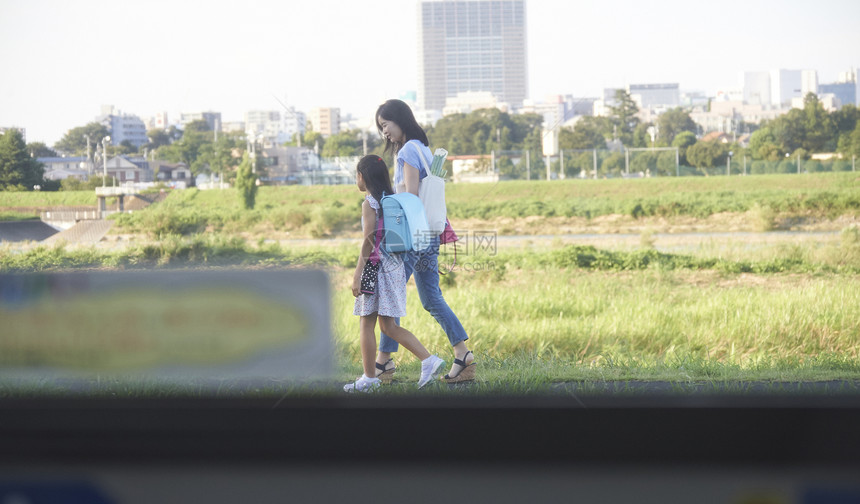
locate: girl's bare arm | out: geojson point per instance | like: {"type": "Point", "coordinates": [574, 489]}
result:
{"type": "Point", "coordinates": [368, 219]}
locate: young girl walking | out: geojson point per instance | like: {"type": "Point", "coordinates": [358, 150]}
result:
{"type": "Point", "coordinates": [389, 298]}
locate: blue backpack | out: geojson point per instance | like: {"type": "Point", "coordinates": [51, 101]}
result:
{"type": "Point", "coordinates": [405, 223]}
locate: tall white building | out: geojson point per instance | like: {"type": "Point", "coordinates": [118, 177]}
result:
{"type": "Point", "coordinates": [789, 84]}
{"type": "Point", "coordinates": [294, 121]}
{"type": "Point", "coordinates": [757, 88]}
{"type": "Point", "coordinates": [212, 119]}
{"type": "Point", "coordinates": [123, 127]}
{"type": "Point", "coordinates": [263, 123]}
{"type": "Point", "coordinates": [552, 110]}
{"type": "Point", "coordinates": [468, 101]}
{"type": "Point", "coordinates": [655, 95]}
{"type": "Point", "coordinates": [325, 120]}
{"type": "Point", "coordinates": [471, 45]}
{"type": "Point", "coordinates": [808, 82]}
{"type": "Point", "coordinates": [158, 121]}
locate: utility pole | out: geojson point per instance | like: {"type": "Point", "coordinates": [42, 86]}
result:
{"type": "Point", "coordinates": [561, 164]}
{"type": "Point", "coordinates": [528, 167]}
{"type": "Point", "coordinates": [89, 163]}
{"type": "Point", "coordinates": [105, 141]}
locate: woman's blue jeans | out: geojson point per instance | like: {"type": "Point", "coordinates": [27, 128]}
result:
{"type": "Point", "coordinates": [425, 266]}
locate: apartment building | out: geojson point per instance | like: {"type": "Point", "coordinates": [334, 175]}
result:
{"type": "Point", "coordinates": [325, 120]}
{"type": "Point", "coordinates": [472, 46]}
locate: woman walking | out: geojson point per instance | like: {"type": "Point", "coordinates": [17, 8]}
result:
{"type": "Point", "coordinates": [404, 137]}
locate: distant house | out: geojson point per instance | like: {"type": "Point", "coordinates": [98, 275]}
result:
{"type": "Point", "coordinates": [172, 172]}
{"type": "Point", "coordinates": [59, 168]}
{"type": "Point", "coordinates": [473, 168]}
{"type": "Point", "coordinates": [125, 169]}
{"type": "Point", "coordinates": [716, 136]}
{"type": "Point", "coordinates": [286, 165]}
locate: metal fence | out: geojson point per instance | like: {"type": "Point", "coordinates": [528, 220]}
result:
{"type": "Point", "coordinates": [571, 163]}
{"type": "Point", "coordinates": [631, 163]}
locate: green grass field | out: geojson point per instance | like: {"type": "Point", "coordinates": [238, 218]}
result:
{"type": "Point", "coordinates": [326, 211]}
{"type": "Point", "coordinates": [539, 314]}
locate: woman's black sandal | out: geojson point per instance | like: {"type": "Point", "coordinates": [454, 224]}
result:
{"type": "Point", "coordinates": [467, 373]}
{"type": "Point", "coordinates": [386, 375]}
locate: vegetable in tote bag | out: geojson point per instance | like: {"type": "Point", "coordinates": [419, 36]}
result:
{"type": "Point", "coordinates": [431, 191]}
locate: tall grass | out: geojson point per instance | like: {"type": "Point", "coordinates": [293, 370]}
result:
{"type": "Point", "coordinates": [316, 212]}
{"type": "Point", "coordinates": [323, 211]}
{"type": "Point", "coordinates": [651, 319]}
{"type": "Point", "coordinates": [9, 199]}
{"type": "Point", "coordinates": [573, 312]}
{"type": "Point", "coordinates": [216, 249]}
{"type": "Point", "coordinates": [822, 194]}
{"type": "Point", "coordinates": [204, 250]}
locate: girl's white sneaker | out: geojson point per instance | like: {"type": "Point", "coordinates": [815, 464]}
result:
{"type": "Point", "coordinates": [363, 384]}
{"type": "Point", "coordinates": [430, 369]}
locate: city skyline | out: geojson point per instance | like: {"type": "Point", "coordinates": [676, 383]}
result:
{"type": "Point", "coordinates": [65, 60]}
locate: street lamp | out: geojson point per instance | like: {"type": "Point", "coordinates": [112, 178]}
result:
{"type": "Point", "coordinates": [87, 164]}
{"type": "Point", "coordinates": [105, 141]}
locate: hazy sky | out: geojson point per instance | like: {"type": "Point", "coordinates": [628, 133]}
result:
{"type": "Point", "coordinates": [63, 59]}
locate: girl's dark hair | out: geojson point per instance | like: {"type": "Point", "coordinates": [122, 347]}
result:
{"type": "Point", "coordinates": [375, 173]}
{"type": "Point", "coordinates": [399, 113]}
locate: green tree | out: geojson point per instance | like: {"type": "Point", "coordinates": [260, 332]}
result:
{"type": "Point", "coordinates": [624, 116]}
{"type": "Point", "coordinates": [74, 142]}
{"type": "Point", "coordinates": [683, 141]}
{"type": "Point", "coordinates": [485, 130]}
{"type": "Point", "coordinates": [666, 163]}
{"type": "Point", "coordinates": [673, 122]}
{"type": "Point", "coordinates": [446, 133]}
{"type": "Point", "coordinates": [845, 119]}
{"type": "Point", "coordinates": [246, 182]}
{"type": "Point", "coordinates": [584, 135]}
{"type": "Point", "coordinates": [614, 164]}
{"type": "Point", "coordinates": [187, 149]}
{"type": "Point", "coordinates": [707, 155]}
{"type": "Point", "coordinates": [644, 162]}
{"type": "Point", "coordinates": [582, 163]}
{"type": "Point", "coordinates": [345, 143]}
{"type": "Point", "coordinates": [219, 157]}
{"type": "Point", "coordinates": [789, 130]}
{"type": "Point", "coordinates": [199, 126]}
{"type": "Point", "coordinates": [641, 137]}
{"type": "Point", "coordinates": [853, 147]}
{"type": "Point", "coordinates": [39, 149]}
{"type": "Point", "coordinates": [818, 126]}
{"type": "Point", "coordinates": [762, 145]}
{"type": "Point", "coordinates": [312, 139]}
{"type": "Point", "coordinates": [18, 171]}
{"type": "Point", "coordinates": [124, 148]}
{"type": "Point", "coordinates": [158, 138]}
